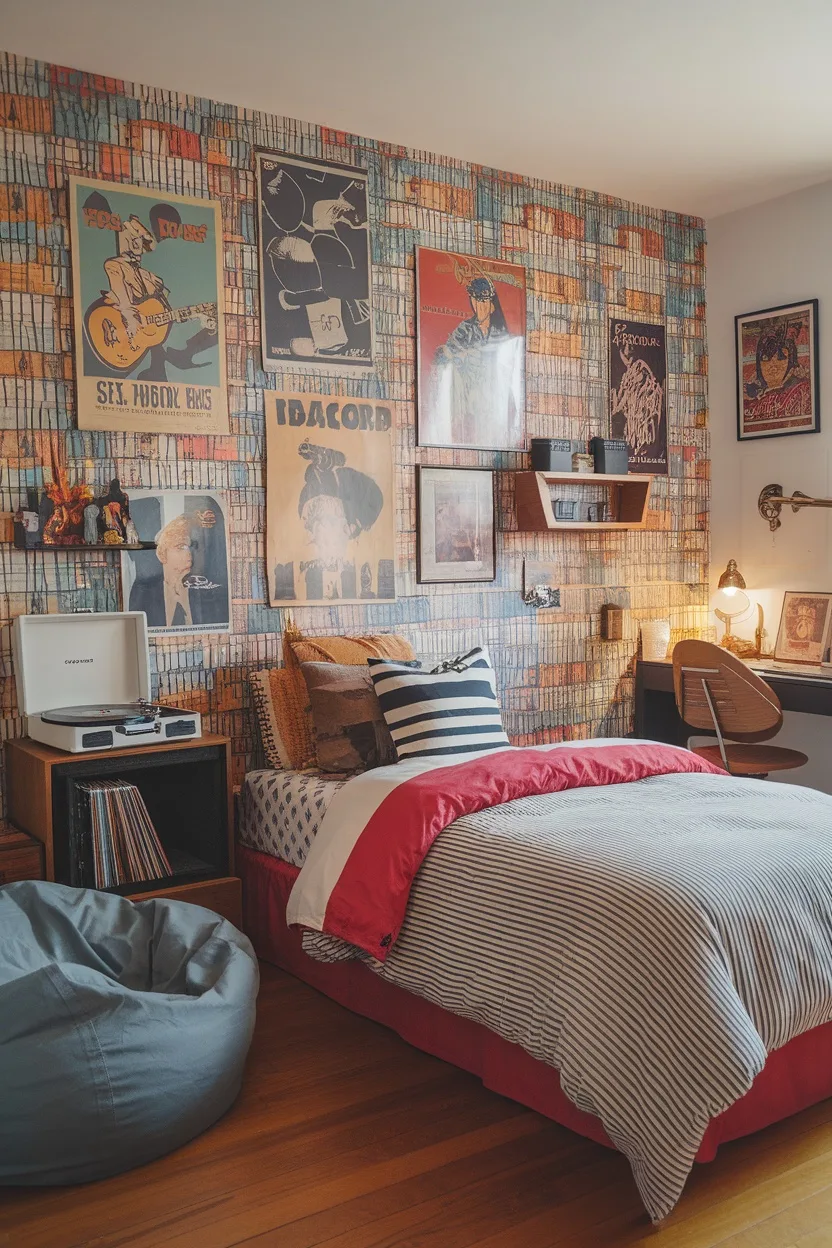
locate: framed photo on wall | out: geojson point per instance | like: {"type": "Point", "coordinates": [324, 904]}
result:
{"type": "Point", "coordinates": [638, 393]}
{"type": "Point", "coordinates": [148, 309]}
{"type": "Point", "coordinates": [315, 282]}
{"type": "Point", "coordinates": [183, 586]}
{"type": "Point", "coordinates": [778, 383]}
{"type": "Point", "coordinates": [330, 504]}
{"type": "Point", "coordinates": [456, 533]}
{"type": "Point", "coordinates": [804, 632]}
{"type": "Point", "coordinates": [471, 349]}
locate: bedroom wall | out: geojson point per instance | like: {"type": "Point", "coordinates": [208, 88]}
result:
{"type": "Point", "coordinates": [588, 256]}
{"type": "Point", "coordinates": [774, 253]}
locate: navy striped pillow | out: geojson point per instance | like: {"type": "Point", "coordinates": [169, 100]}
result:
{"type": "Point", "coordinates": [451, 710]}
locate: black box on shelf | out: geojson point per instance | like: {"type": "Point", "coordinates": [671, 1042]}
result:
{"type": "Point", "coordinates": [611, 455]}
{"type": "Point", "coordinates": [552, 454]}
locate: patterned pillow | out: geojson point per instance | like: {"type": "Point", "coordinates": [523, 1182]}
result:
{"type": "Point", "coordinates": [350, 732]}
{"type": "Point", "coordinates": [451, 710]}
{"type": "Point", "coordinates": [281, 699]}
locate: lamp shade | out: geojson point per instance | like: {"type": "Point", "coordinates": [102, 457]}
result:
{"type": "Point", "coordinates": [731, 578]}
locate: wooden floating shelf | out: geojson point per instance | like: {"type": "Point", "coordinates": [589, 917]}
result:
{"type": "Point", "coordinates": [535, 513]}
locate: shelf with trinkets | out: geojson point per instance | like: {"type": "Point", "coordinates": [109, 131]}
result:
{"type": "Point", "coordinates": [69, 518]}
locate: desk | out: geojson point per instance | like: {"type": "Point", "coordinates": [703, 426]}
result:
{"type": "Point", "coordinates": [657, 719]}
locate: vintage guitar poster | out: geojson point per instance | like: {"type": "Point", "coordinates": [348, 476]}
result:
{"type": "Point", "coordinates": [148, 290]}
{"type": "Point", "coordinates": [330, 506]}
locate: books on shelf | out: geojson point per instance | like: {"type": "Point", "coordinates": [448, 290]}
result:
{"type": "Point", "coordinates": [115, 842]}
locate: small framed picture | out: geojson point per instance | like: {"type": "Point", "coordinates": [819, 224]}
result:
{"type": "Point", "coordinates": [803, 635]}
{"type": "Point", "coordinates": [778, 390]}
{"type": "Point", "coordinates": [456, 538]}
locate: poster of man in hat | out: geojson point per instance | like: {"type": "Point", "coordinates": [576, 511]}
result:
{"type": "Point", "coordinates": [147, 293]}
{"type": "Point", "coordinates": [330, 534]}
{"type": "Point", "coordinates": [471, 341]}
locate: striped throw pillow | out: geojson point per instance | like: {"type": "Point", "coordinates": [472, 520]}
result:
{"type": "Point", "coordinates": [451, 710]}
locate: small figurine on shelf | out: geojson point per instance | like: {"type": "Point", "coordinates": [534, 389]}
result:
{"type": "Point", "coordinates": [65, 525]}
{"type": "Point", "coordinates": [91, 524]}
{"type": "Point", "coordinates": [114, 512]}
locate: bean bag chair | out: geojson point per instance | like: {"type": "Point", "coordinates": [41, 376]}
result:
{"type": "Point", "coordinates": [124, 1029]}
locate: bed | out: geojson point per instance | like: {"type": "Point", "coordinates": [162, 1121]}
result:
{"type": "Point", "coordinates": [598, 812]}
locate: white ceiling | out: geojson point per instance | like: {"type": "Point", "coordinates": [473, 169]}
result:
{"type": "Point", "coordinates": [703, 106]}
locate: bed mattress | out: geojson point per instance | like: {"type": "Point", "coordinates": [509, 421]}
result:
{"type": "Point", "coordinates": [281, 811]}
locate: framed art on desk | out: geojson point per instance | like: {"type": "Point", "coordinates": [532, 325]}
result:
{"type": "Point", "coordinates": [803, 635]}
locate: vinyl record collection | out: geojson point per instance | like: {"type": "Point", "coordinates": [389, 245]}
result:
{"type": "Point", "coordinates": [117, 842]}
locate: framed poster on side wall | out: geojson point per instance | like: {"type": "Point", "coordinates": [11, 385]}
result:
{"type": "Point", "coordinates": [471, 346]}
{"type": "Point", "coordinates": [148, 309]}
{"type": "Point", "coordinates": [315, 280]}
{"type": "Point", "coordinates": [778, 383]}
{"type": "Point", "coordinates": [638, 393]}
{"type": "Point", "coordinates": [456, 531]}
{"type": "Point", "coordinates": [330, 507]}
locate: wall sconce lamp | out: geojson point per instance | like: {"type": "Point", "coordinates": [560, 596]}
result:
{"type": "Point", "coordinates": [730, 601]}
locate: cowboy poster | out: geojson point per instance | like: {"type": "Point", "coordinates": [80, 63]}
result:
{"type": "Point", "coordinates": [330, 514]}
{"type": "Point", "coordinates": [471, 341]}
{"type": "Point", "coordinates": [638, 393]}
{"type": "Point", "coordinates": [316, 303]}
{"type": "Point", "coordinates": [148, 291]}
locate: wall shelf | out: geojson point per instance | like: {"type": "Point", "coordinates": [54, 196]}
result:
{"type": "Point", "coordinates": [78, 546]}
{"type": "Point", "coordinates": [535, 513]}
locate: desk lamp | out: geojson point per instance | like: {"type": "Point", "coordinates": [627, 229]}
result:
{"type": "Point", "coordinates": [730, 601]}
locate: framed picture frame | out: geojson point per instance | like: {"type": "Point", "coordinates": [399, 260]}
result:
{"type": "Point", "coordinates": [316, 300]}
{"type": "Point", "coordinates": [456, 530]}
{"type": "Point", "coordinates": [470, 351]}
{"type": "Point", "coordinates": [778, 372]}
{"type": "Point", "coordinates": [805, 622]}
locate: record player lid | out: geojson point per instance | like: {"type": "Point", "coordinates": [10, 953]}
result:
{"type": "Point", "coordinates": [80, 660]}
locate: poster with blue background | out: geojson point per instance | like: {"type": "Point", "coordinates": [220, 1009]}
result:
{"type": "Point", "coordinates": [147, 287]}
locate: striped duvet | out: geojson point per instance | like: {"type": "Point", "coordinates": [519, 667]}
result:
{"type": "Point", "coordinates": [652, 940]}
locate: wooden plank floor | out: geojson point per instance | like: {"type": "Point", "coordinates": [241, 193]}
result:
{"type": "Point", "coordinates": [345, 1136]}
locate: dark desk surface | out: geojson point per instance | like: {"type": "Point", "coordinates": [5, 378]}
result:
{"type": "Point", "coordinates": [656, 716]}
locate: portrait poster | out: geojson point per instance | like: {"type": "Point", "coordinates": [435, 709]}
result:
{"type": "Point", "coordinates": [777, 371]}
{"type": "Point", "coordinates": [638, 393]}
{"type": "Point", "coordinates": [471, 344]}
{"type": "Point", "coordinates": [330, 506]}
{"type": "Point", "coordinates": [148, 309]}
{"type": "Point", "coordinates": [804, 632]}
{"type": "Point", "coordinates": [183, 586]}
{"type": "Point", "coordinates": [315, 281]}
{"type": "Point", "coordinates": [456, 532]}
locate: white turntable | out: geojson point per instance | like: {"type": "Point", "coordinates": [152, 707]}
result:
{"type": "Point", "coordinates": [83, 681]}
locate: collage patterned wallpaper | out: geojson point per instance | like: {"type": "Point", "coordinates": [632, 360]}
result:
{"type": "Point", "coordinates": [587, 257]}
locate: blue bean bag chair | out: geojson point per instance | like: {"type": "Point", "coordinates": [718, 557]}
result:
{"type": "Point", "coordinates": [124, 1029]}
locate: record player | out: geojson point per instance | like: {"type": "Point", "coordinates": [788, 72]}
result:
{"type": "Point", "coordinates": [83, 682]}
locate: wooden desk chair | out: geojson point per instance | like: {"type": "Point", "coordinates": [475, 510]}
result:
{"type": "Point", "coordinates": [715, 691]}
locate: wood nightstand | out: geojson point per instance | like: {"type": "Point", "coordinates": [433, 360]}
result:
{"type": "Point", "coordinates": [21, 856]}
{"type": "Point", "coordinates": [186, 787]}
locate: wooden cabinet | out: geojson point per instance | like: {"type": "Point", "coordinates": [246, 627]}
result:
{"type": "Point", "coordinates": [21, 856]}
{"type": "Point", "coordinates": [628, 498]}
{"type": "Point", "coordinates": [186, 787]}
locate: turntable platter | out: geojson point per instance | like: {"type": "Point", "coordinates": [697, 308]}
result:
{"type": "Point", "coordinates": [84, 716]}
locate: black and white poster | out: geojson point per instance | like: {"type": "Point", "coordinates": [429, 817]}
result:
{"type": "Point", "coordinates": [638, 392]}
{"type": "Point", "coordinates": [316, 305]}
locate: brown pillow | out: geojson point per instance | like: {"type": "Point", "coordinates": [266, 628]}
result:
{"type": "Point", "coordinates": [298, 649]}
{"type": "Point", "coordinates": [350, 732]}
